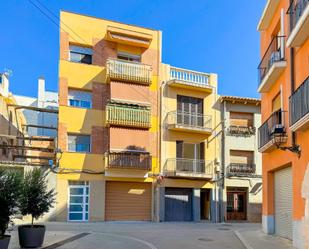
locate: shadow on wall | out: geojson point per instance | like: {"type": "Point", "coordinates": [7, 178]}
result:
{"type": "Point", "coordinates": [305, 195]}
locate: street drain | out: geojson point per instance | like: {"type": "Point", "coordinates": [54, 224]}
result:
{"type": "Point", "coordinates": [205, 239]}
{"type": "Point", "coordinates": [224, 229]}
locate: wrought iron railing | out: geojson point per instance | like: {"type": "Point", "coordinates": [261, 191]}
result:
{"type": "Point", "coordinates": [190, 166]}
{"type": "Point", "coordinates": [129, 160]}
{"type": "Point", "coordinates": [187, 119]}
{"type": "Point", "coordinates": [189, 76]}
{"type": "Point", "coordinates": [128, 71]}
{"type": "Point", "coordinates": [274, 53]}
{"type": "Point", "coordinates": [235, 130]}
{"type": "Point", "coordinates": [299, 102]}
{"type": "Point", "coordinates": [240, 169]}
{"type": "Point", "coordinates": [128, 116]}
{"type": "Point", "coordinates": [272, 128]}
{"type": "Point", "coordinates": [295, 11]}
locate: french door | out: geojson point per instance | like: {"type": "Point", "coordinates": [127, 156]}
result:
{"type": "Point", "coordinates": [78, 208]}
{"type": "Point", "coordinates": [189, 111]}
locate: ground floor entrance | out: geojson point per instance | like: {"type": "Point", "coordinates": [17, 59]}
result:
{"type": "Point", "coordinates": [178, 204]}
{"type": "Point", "coordinates": [78, 208]}
{"type": "Point", "coordinates": [205, 204]}
{"type": "Point", "coordinates": [236, 206]}
{"type": "Point", "coordinates": [283, 202]}
{"type": "Point", "coordinates": [128, 201]}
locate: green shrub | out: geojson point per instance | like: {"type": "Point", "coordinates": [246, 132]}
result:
{"type": "Point", "coordinates": [35, 199]}
{"type": "Point", "coordinates": [10, 185]}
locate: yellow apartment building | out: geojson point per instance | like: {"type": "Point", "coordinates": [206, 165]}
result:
{"type": "Point", "coordinates": [189, 151]}
{"type": "Point", "coordinates": [108, 120]}
{"type": "Point", "coordinates": [112, 86]}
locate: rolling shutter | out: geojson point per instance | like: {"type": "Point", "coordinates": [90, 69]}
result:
{"type": "Point", "coordinates": [283, 202]}
{"type": "Point", "coordinates": [128, 201]}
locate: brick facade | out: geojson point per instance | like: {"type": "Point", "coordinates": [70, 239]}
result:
{"type": "Point", "coordinates": [102, 50]}
{"type": "Point", "coordinates": [63, 91]}
{"type": "Point", "coordinates": [99, 140]}
{"type": "Point", "coordinates": [62, 136]}
{"type": "Point", "coordinates": [64, 46]}
{"type": "Point", "coordinates": [100, 95]}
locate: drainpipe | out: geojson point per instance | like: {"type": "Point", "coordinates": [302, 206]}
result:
{"type": "Point", "coordinates": [221, 183]}
{"type": "Point", "coordinates": [292, 77]}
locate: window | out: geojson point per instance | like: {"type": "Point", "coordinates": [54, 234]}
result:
{"type": "Point", "coordinates": [81, 54]}
{"type": "Point", "coordinates": [190, 111]}
{"type": "Point", "coordinates": [80, 99]}
{"type": "Point", "coordinates": [241, 156]}
{"type": "Point", "coordinates": [242, 119]}
{"type": "Point", "coordinates": [276, 103]}
{"type": "Point", "coordinates": [5, 151]}
{"type": "Point", "coordinates": [78, 143]}
{"type": "Point", "coordinates": [129, 57]}
{"type": "Point", "coordinates": [190, 150]}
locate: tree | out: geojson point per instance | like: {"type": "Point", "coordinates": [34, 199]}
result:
{"type": "Point", "coordinates": [10, 183]}
{"type": "Point", "coordinates": [35, 198]}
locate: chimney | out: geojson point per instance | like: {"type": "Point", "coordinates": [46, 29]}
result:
{"type": "Point", "coordinates": [41, 92]}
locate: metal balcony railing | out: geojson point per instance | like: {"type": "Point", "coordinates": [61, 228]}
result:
{"type": "Point", "coordinates": [235, 130]}
{"type": "Point", "coordinates": [128, 116]}
{"type": "Point", "coordinates": [299, 102]}
{"type": "Point", "coordinates": [190, 166]}
{"type": "Point", "coordinates": [129, 160]}
{"type": "Point", "coordinates": [190, 120]}
{"type": "Point", "coordinates": [274, 53]}
{"type": "Point", "coordinates": [272, 128]}
{"type": "Point", "coordinates": [189, 76]}
{"type": "Point", "coordinates": [241, 169]}
{"type": "Point", "coordinates": [295, 11]}
{"type": "Point", "coordinates": [129, 71]}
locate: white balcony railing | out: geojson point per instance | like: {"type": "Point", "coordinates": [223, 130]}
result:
{"type": "Point", "coordinates": [189, 76]}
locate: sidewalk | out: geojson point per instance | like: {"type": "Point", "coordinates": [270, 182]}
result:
{"type": "Point", "coordinates": [256, 239]}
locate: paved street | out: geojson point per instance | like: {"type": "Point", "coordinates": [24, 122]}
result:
{"type": "Point", "coordinates": [146, 235]}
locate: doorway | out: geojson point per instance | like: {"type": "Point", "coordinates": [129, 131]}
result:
{"type": "Point", "coordinates": [205, 204]}
{"type": "Point", "coordinates": [78, 208]}
{"type": "Point", "coordinates": [236, 207]}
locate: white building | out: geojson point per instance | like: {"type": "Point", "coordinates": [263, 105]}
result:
{"type": "Point", "coordinates": [241, 185]}
{"type": "Point", "coordinates": [44, 99]}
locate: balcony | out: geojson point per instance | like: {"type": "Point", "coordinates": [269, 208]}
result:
{"type": "Point", "coordinates": [272, 64]}
{"type": "Point", "coordinates": [187, 79]}
{"type": "Point", "coordinates": [128, 71]}
{"type": "Point", "coordinates": [128, 160]}
{"type": "Point", "coordinates": [189, 122]}
{"type": "Point", "coordinates": [272, 133]}
{"type": "Point", "coordinates": [299, 107]}
{"type": "Point", "coordinates": [268, 14]}
{"type": "Point", "coordinates": [299, 23]}
{"type": "Point", "coordinates": [241, 169]}
{"type": "Point", "coordinates": [188, 168]}
{"type": "Point", "coordinates": [122, 115]}
{"type": "Point", "coordinates": [244, 131]}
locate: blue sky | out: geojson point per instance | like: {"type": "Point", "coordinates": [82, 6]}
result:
{"type": "Point", "coordinates": [203, 35]}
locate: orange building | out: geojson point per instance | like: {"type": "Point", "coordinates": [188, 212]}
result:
{"type": "Point", "coordinates": [284, 133]}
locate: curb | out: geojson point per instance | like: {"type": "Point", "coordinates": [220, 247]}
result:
{"type": "Point", "coordinates": [242, 240]}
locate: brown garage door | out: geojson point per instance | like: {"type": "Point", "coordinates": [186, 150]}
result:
{"type": "Point", "coordinates": [128, 201]}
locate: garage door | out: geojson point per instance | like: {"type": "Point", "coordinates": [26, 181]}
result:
{"type": "Point", "coordinates": [283, 202]}
{"type": "Point", "coordinates": [178, 204]}
{"type": "Point", "coordinates": [128, 201]}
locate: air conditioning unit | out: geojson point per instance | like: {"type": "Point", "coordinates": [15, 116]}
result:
{"type": "Point", "coordinates": [277, 129]}
{"type": "Point", "coordinates": [275, 56]}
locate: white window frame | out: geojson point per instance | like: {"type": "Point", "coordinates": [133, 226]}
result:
{"type": "Point", "coordinates": [86, 184]}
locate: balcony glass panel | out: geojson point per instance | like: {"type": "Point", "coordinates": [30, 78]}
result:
{"type": "Point", "coordinates": [273, 54]}
{"type": "Point", "coordinates": [299, 102]}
